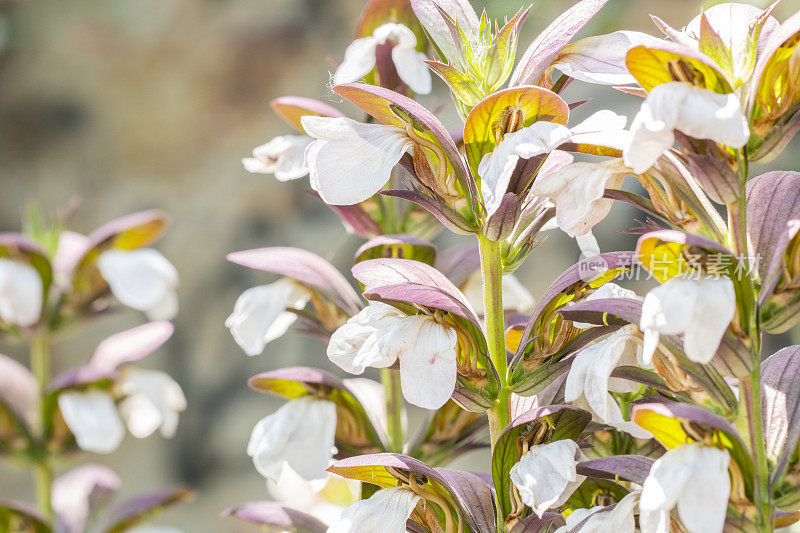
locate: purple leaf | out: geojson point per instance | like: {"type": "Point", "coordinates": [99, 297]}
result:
{"type": "Point", "coordinates": [442, 212]}
{"type": "Point", "coordinates": [474, 494]}
{"type": "Point", "coordinates": [131, 345]}
{"type": "Point", "coordinates": [629, 467]}
{"type": "Point", "coordinates": [546, 47]}
{"type": "Point", "coordinates": [627, 310]}
{"type": "Point", "coordinates": [780, 403]}
{"type": "Point", "coordinates": [306, 267]}
{"type": "Point", "coordinates": [272, 515]}
{"type": "Point", "coordinates": [548, 523]}
{"type": "Point", "coordinates": [132, 231]}
{"type": "Point", "coordinates": [293, 108]}
{"type": "Point", "coordinates": [400, 246]}
{"type": "Point", "coordinates": [139, 508]}
{"type": "Point", "coordinates": [94, 485]}
{"type": "Point", "coordinates": [458, 263]}
{"type": "Point", "coordinates": [19, 392]}
{"type": "Point", "coordinates": [356, 221]}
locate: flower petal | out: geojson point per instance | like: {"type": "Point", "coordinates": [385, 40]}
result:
{"type": "Point", "coordinates": [387, 511]}
{"type": "Point", "coordinates": [359, 60]}
{"type": "Point", "coordinates": [283, 156]}
{"type": "Point", "coordinates": [142, 279]}
{"type": "Point", "coordinates": [20, 293]}
{"type": "Point", "coordinates": [92, 417]}
{"type": "Point", "coordinates": [546, 475]}
{"type": "Point", "coordinates": [356, 345]}
{"type": "Point", "coordinates": [151, 401]}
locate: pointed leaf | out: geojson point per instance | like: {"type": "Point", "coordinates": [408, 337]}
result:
{"type": "Point", "coordinates": [627, 467]}
{"type": "Point", "coordinates": [141, 508]}
{"type": "Point", "coordinates": [273, 516]}
{"type": "Point", "coordinates": [780, 402]}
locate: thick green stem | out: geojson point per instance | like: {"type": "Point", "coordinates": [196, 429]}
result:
{"type": "Point", "coordinates": [394, 408]}
{"type": "Point", "coordinates": [492, 273]}
{"type": "Point", "coordinates": [40, 365]}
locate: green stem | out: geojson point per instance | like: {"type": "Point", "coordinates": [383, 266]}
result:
{"type": "Point", "coordinates": [492, 274]}
{"type": "Point", "coordinates": [394, 408]}
{"type": "Point", "coordinates": [40, 365]}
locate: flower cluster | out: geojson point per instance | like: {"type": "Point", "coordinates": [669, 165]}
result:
{"type": "Point", "coordinates": [608, 409]}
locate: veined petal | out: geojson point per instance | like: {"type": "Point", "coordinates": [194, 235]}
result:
{"type": "Point", "coordinates": [351, 161]}
{"type": "Point", "coordinates": [142, 279]}
{"type": "Point", "coordinates": [151, 401]}
{"type": "Point", "coordinates": [20, 293]}
{"type": "Point", "coordinates": [92, 417]}
{"type": "Point", "coordinates": [601, 58]}
{"type": "Point", "coordinates": [427, 354]}
{"type": "Point", "coordinates": [359, 60]}
{"type": "Point", "coordinates": [546, 475]}
{"type": "Point", "coordinates": [700, 309]}
{"type": "Point", "coordinates": [259, 315]}
{"type": "Point", "coordinates": [387, 511]}
{"type": "Point", "coordinates": [695, 111]}
{"type": "Point", "coordinates": [577, 190]}
{"type": "Point", "coordinates": [300, 434]}
{"type": "Point", "coordinates": [355, 346]}
{"type": "Point", "coordinates": [283, 156]}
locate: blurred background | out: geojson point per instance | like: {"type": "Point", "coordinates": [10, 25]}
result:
{"type": "Point", "coordinates": [134, 104]}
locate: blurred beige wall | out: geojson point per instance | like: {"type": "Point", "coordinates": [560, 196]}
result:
{"type": "Point", "coordinates": [132, 104]}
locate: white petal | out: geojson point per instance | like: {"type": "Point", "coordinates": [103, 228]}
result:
{"type": "Point", "coordinates": [151, 401]}
{"type": "Point", "coordinates": [355, 345]}
{"type": "Point", "coordinates": [577, 190]}
{"type": "Point", "coordinates": [603, 128]}
{"type": "Point", "coordinates": [142, 279]}
{"type": "Point", "coordinates": [602, 520]}
{"type": "Point", "coordinates": [92, 417]}
{"type": "Point", "coordinates": [259, 315]}
{"type": "Point", "coordinates": [696, 112]}
{"type": "Point", "coordinates": [300, 434]}
{"type": "Point", "coordinates": [351, 161]}
{"type": "Point", "coordinates": [412, 69]}
{"type": "Point", "coordinates": [20, 293]}
{"type": "Point", "coordinates": [427, 354]}
{"type": "Point", "coordinates": [359, 60]}
{"type": "Point", "coordinates": [546, 475]}
{"type": "Point", "coordinates": [601, 59]}
{"type": "Point", "coordinates": [386, 511]}
{"type": "Point", "coordinates": [283, 156]}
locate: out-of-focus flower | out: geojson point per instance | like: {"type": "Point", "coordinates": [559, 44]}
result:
{"type": "Point", "coordinates": [93, 419]}
{"type": "Point", "coordinates": [260, 314]}
{"type": "Point", "coordinates": [699, 309]}
{"type": "Point", "coordinates": [350, 161]}
{"type": "Point", "coordinates": [324, 499]}
{"type": "Point", "coordinates": [387, 510]}
{"type": "Point", "coordinates": [590, 377]}
{"type": "Point", "coordinates": [693, 477]}
{"type": "Point", "coordinates": [546, 475]}
{"type": "Point", "coordinates": [20, 293]}
{"type": "Point", "coordinates": [694, 111]}
{"type": "Point", "coordinates": [379, 335]}
{"type": "Point", "coordinates": [299, 434]}
{"type": "Point", "coordinates": [360, 58]}
{"type": "Point", "coordinates": [283, 156]}
{"type": "Point", "coordinates": [151, 401]}
{"type": "Point", "coordinates": [142, 279]}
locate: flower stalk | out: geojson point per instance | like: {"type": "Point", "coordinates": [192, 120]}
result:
{"type": "Point", "coordinates": [492, 276]}
{"type": "Point", "coordinates": [43, 474]}
{"type": "Point", "coordinates": [394, 408]}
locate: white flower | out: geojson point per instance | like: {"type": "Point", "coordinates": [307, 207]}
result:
{"type": "Point", "coordinates": [590, 378]}
{"type": "Point", "coordinates": [283, 156]}
{"type": "Point", "coordinates": [496, 167]}
{"type": "Point", "coordinates": [577, 190]}
{"type": "Point", "coordinates": [92, 417]}
{"type": "Point", "coordinates": [20, 293]}
{"type": "Point", "coordinates": [386, 511]}
{"type": "Point", "coordinates": [693, 477]}
{"type": "Point", "coordinates": [359, 58]}
{"type": "Point", "coordinates": [546, 475]}
{"type": "Point", "coordinates": [379, 335]}
{"type": "Point", "coordinates": [350, 161]}
{"type": "Point", "coordinates": [515, 296]}
{"type": "Point", "coordinates": [324, 499]}
{"type": "Point", "coordinates": [600, 519]}
{"type": "Point", "coordinates": [301, 434]}
{"type": "Point", "coordinates": [260, 316]}
{"type": "Point", "coordinates": [142, 279]}
{"type": "Point", "coordinates": [151, 401]}
{"type": "Point", "coordinates": [699, 309]}
{"type": "Point", "coordinates": [696, 112]}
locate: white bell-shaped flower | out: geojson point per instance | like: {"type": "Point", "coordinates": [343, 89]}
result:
{"type": "Point", "coordinates": [350, 161]}
{"type": "Point", "coordinates": [546, 475]}
{"type": "Point", "coordinates": [693, 477]}
{"type": "Point", "coordinates": [20, 293]}
{"type": "Point", "coordinates": [577, 190]}
{"type": "Point", "coordinates": [379, 335]}
{"type": "Point", "coordinates": [700, 309]}
{"type": "Point", "coordinates": [283, 156]}
{"type": "Point", "coordinates": [151, 400]}
{"type": "Point", "coordinates": [599, 519]}
{"type": "Point", "coordinates": [299, 434]}
{"type": "Point", "coordinates": [590, 378]}
{"type": "Point", "coordinates": [92, 417]}
{"type": "Point", "coordinates": [260, 314]}
{"type": "Point", "coordinates": [386, 511]}
{"type": "Point", "coordinates": [142, 279]}
{"type": "Point", "coordinates": [694, 111]}
{"type": "Point", "coordinates": [360, 59]}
